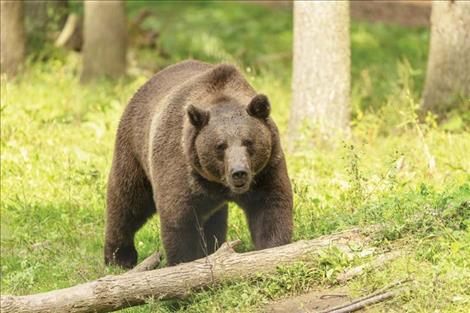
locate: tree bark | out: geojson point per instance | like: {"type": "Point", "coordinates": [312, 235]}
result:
{"type": "Point", "coordinates": [12, 36]}
{"type": "Point", "coordinates": [105, 36]}
{"type": "Point", "coordinates": [448, 71]}
{"type": "Point", "coordinates": [116, 292]}
{"type": "Point", "coordinates": [321, 75]}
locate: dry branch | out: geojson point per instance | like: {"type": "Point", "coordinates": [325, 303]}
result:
{"type": "Point", "coordinates": [364, 302]}
{"type": "Point", "coordinates": [148, 264]}
{"type": "Point", "coordinates": [71, 36]}
{"type": "Point", "coordinates": [116, 292]}
{"type": "Point", "coordinates": [380, 295]}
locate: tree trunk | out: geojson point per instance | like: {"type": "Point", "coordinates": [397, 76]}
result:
{"type": "Point", "coordinates": [116, 292]}
{"type": "Point", "coordinates": [448, 72]}
{"type": "Point", "coordinates": [12, 36]}
{"type": "Point", "coordinates": [105, 35]}
{"type": "Point", "coordinates": [321, 76]}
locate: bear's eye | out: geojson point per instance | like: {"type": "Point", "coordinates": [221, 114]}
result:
{"type": "Point", "coordinates": [221, 146]}
{"type": "Point", "coordinates": [248, 143]}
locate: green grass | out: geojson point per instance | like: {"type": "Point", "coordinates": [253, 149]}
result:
{"type": "Point", "coordinates": [57, 139]}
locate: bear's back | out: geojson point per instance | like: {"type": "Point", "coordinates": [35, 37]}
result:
{"type": "Point", "coordinates": [135, 123]}
{"type": "Point", "coordinates": [165, 80]}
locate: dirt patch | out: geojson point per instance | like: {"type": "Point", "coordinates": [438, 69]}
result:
{"type": "Point", "coordinates": [313, 301]}
{"type": "Point", "coordinates": [405, 13]}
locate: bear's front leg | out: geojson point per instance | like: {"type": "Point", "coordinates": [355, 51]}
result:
{"type": "Point", "coordinates": [215, 230]}
{"type": "Point", "coordinates": [181, 242]}
{"type": "Point", "coordinates": [181, 233]}
{"type": "Point", "coordinates": [269, 210]}
{"type": "Point", "coordinates": [270, 223]}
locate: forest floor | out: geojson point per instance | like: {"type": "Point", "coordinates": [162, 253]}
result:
{"type": "Point", "coordinates": [411, 13]}
{"type": "Point", "coordinates": [404, 13]}
{"type": "Point", "coordinates": [57, 140]}
{"type": "Point", "coordinates": [313, 301]}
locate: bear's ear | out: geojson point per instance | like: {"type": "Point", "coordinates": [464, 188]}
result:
{"type": "Point", "coordinates": [198, 117]}
{"type": "Point", "coordinates": [259, 106]}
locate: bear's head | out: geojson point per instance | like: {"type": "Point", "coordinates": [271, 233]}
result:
{"type": "Point", "coordinates": [229, 142]}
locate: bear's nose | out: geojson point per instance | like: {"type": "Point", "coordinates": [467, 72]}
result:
{"type": "Point", "coordinates": [239, 174]}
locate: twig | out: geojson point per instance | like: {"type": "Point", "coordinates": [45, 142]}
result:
{"type": "Point", "coordinates": [427, 153]}
{"type": "Point", "coordinates": [203, 243]}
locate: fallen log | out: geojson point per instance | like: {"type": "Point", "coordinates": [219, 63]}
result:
{"type": "Point", "coordinates": [130, 289]}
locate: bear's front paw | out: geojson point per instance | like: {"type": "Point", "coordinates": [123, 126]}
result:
{"type": "Point", "coordinates": [124, 256]}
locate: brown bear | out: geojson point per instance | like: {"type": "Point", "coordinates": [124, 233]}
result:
{"type": "Point", "coordinates": [193, 138]}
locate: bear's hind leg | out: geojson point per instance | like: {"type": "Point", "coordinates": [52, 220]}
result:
{"type": "Point", "coordinates": [129, 205]}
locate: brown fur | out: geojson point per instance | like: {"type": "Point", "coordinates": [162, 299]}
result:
{"type": "Point", "coordinates": [194, 137]}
